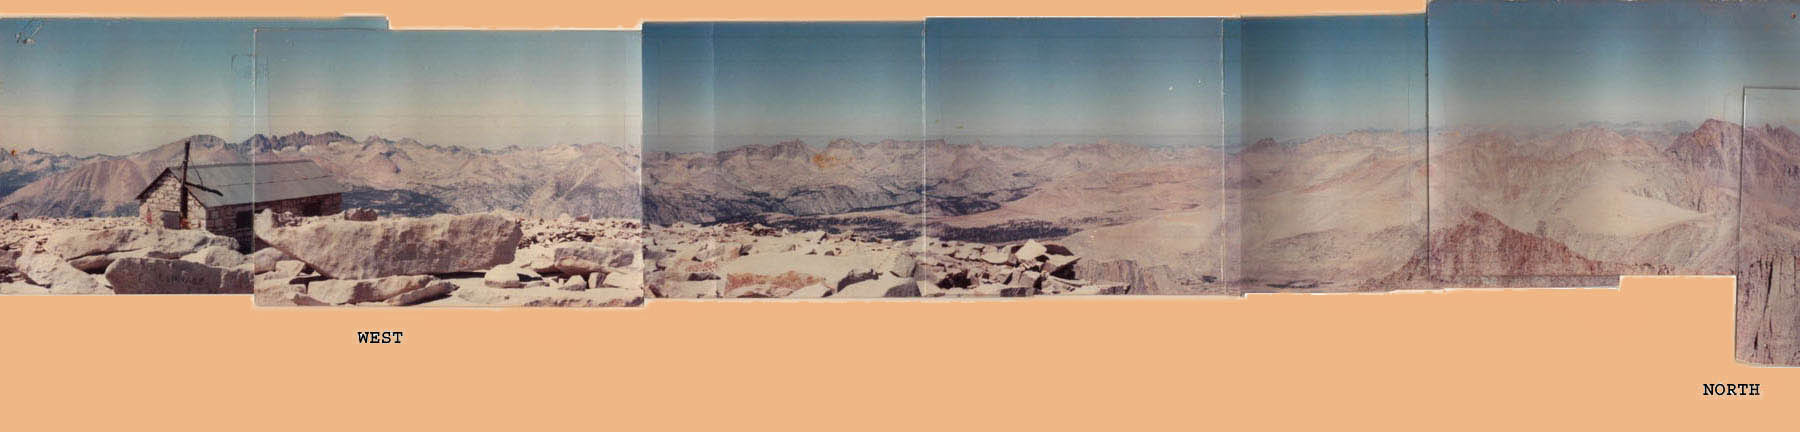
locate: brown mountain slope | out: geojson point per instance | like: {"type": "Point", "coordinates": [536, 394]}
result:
{"type": "Point", "coordinates": [1610, 197]}
{"type": "Point", "coordinates": [1768, 286]}
{"type": "Point", "coordinates": [108, 185]}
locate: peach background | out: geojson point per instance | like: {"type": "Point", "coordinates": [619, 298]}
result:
{"type": "Point", "coordinates": [1485, 359]}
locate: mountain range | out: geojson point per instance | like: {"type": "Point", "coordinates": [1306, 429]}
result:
{"type": "Point", "coordinates": [1159, 205]}
{"type": "Point", "coordinates": [50, 185]}
{"type": "Point", "coordinates": [1618, 203]}
{"type": "Point", "coordinates": [1337, 212]}
{"type": "Point", "coordinates": [1319, 213]}
{"type": "Point", "coordinates": [908, 177]}
{"type": "Point", "coordinates": [402, 177]}
{"type": "Point", "coordinates": [412, 178]}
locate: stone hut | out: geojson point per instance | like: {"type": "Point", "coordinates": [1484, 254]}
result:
{"type": "Point", "coordinates": [223, 198]}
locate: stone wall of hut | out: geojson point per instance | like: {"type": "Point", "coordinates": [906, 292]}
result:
{"type": "Point", "coordinates": [165, 198]}
{"type": "Point", "coordinates": [235, 221]}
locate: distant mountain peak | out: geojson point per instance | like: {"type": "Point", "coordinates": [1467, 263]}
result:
{"type": "Point", "coordinates": [1710, 145]}
{"type": "Point", "coordinates": [844, 143]}
{"type": "Point", "coordinates": [1712, 123]}
{"type": "Point", "coordinates": [1264, 145]}
{"type": "Point", "coordinates": [202, 140]}
{"type": "Point", "coordinates": [791, 148]}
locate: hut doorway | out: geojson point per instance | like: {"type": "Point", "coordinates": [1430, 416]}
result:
{"type": "Point", "coordinates": [171, 220]}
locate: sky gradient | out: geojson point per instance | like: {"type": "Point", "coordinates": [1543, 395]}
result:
{"type": "Point", "coordinates": [474, 89]}
{"type": "Point", "coordinates": [1040, 81]}
{"type": "Point", "coordinates": [119, 86]}
{"type": "Point", "coordinates": [723, 85]}
{"type": "Point", "coordinates": [112, 86]}
{"type": "Point", "coordinates": [678, 87]}
{"type": "Point", "coordinates": [1547, 65]}
{"type": "Point", "coordinates": [1303, 77]}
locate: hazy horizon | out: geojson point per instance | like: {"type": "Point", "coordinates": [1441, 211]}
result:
{"type": "Point", "coordinates": [87, 86]}
{"type": "Point", "coordinates": [696, 143]}
{"type": "Point", "coordinates": [357, 138]}
{"type": "Point", "coordinates": [1772, 107]}
{"type": "Point", "coordinates": [471, 89]}
{"type": "Point", "coordinates": [1305, 77]}
{"type": "Point", "coordinates": [1535, 65]}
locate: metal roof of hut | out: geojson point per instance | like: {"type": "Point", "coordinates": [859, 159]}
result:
{"type": "Point", "coordinates": [218, 185]}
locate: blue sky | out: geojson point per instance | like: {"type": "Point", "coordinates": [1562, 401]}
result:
{"type": "Point", "coordinates": [116, 86]}
{"type": "Point", "coordinates": [1303, 77]}
{"type": "Point", "coordinates": [1539, 65]}
{"type": "Point", "coordinates": [1038, 81]}
{"type": "Point", "coordinates": [475, 89]}
{"type": "Point", "coordinates": [119, 86]}
{"type": "Point", "coordinates": [678, 87]}
{"type": "Point", "coordinates": [721, 85]}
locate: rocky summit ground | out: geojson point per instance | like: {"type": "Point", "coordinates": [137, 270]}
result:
{"type": "Point", "coordinates": [744, 260]}
{"type": "Point", "coordinates": [116, 256]}
{"type": "Point", "coordinates": [359, 258]}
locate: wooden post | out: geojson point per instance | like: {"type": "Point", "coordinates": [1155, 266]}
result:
{"type": "Point", "coordinates": [185, 148]}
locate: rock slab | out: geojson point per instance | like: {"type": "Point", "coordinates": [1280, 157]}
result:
{"type": "Point", "coordinates": [596, 257]}
{"type": "Point", "coordinates": [166, 276]}
{"type": "Point", "coordinates": [153, 242]}
{"type": "Point", "coordinates": [50, 271]}
{"type": "Point", "coordinates": [883, 287]}
{"type": "Point", "coordinates": [366, 250]}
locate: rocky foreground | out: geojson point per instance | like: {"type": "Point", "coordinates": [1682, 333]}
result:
{"type": "Point", "coordinates": [484, 259]}
{"type": "Point", "coordinates": [754, 261]}
{"type": "Point", "coordinates": [117, 256]}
